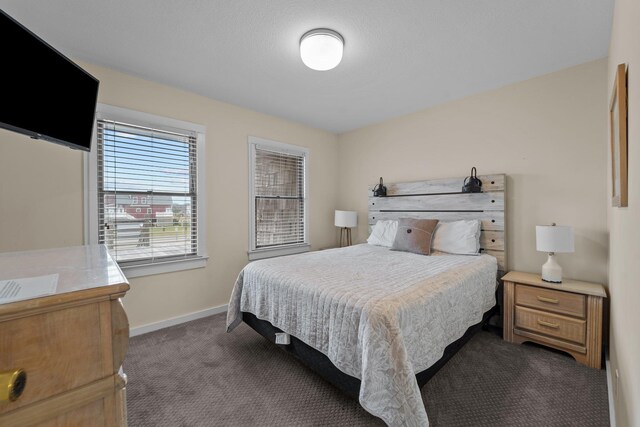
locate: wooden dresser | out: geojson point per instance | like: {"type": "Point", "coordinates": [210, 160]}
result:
{"type": "Point", "coordinates": [566, 316]}
{"type": "Point", "coordinates": [71, 344]}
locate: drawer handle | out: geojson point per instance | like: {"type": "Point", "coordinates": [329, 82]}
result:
{"type": "Point", "coordinates": [545, 299]}
{"type": "Point", "coordinates": [548, 324]}
{"type": "Point", "coordinates": [12, 384]}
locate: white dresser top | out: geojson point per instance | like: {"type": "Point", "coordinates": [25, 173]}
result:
{"type": "Point", "coordinates": [85, 269]}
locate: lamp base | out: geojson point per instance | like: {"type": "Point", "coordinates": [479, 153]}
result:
{"type": "Point", "coordinates": [551, 270]}
{"type": "Point", "coordinates": [345, 237]}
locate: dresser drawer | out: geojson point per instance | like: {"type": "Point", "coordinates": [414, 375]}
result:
{"type": "Point", "coordinates": [551, 300]}
{"type": "Point", "coordinates": [58, 350]}
{"type": "Point", "coordinates": [553, 325]}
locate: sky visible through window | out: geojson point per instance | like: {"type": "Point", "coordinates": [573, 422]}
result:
{"type": "Point", "coordinates": [144, 163]}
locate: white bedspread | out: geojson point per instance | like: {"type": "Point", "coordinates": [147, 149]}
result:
{"type": "Point", "coordinates": [379, 315]}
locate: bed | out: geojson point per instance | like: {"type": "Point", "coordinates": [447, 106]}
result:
{"type": "Point", "coordinates": [378, 323]}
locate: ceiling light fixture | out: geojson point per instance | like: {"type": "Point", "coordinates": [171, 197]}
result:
{"type": "Point", "coordinates": [321, 49]}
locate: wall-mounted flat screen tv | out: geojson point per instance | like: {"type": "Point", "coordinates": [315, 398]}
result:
{"type": "Point", "coordinates": [44, 94]}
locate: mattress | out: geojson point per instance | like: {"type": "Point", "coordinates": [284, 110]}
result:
{"type": "Point", "coordinates": [378, 315]}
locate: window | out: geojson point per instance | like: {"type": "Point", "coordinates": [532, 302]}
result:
{"type": "Point", "coordinates": [137, 156]}
{"type": "Point", "coordinates": [143, 201]}
{"type": "Point", "coordinates": [278, 199]}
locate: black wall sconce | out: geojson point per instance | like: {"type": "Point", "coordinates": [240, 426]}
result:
{"type": "Point", "coordinates": [380, 190]}
{"type": "Point", "coordinates": [472, 184]}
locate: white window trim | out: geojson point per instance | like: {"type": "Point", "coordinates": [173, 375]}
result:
{"type": "Point", "coordinates": [253, 252]}
{"type": "Point", "coordinates": [90, 169]}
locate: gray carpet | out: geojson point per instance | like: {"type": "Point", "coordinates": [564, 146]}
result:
{"type": "Point", "coordinates": [195, 374]}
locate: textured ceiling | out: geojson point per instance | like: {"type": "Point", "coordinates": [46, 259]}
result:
{"type": "Point", "coordinates": [399, 57]}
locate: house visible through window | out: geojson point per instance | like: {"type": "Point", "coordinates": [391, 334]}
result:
{"type": "Point", "coordinates": [278, 190]}
{"type": "Point", "coordinates": [158, 166]}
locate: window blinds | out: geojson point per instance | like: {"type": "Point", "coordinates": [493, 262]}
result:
{"type": "Point", "coordinates": [279, 197]}
{"type": "Point", "coordinates": [147, 201]}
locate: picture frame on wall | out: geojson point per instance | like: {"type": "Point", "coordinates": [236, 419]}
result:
{"type": "Point", "coordinates": [618, 127]}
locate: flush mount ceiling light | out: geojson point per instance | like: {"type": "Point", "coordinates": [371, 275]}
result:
{"type": "Point", "coordinates": [321, 49]}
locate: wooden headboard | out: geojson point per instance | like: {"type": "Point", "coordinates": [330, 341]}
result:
{"type": "Point", "coordinates": [442, 199]}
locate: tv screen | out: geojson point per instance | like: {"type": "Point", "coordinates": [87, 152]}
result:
{"type": "Point", "coordinates": [44, 94]}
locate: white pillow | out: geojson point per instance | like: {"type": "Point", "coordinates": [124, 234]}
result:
{"type": "Point", "coordinates": [383, 233]}
{"type": "Point", "coordinates": [457, 237]}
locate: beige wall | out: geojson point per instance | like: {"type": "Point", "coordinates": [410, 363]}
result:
{"type": "Point", "coordinates": [41, 192]}
{"type": "Point", "coordinates": [624, 227]}
{"type": "Point", "coordinates": [546, 134]}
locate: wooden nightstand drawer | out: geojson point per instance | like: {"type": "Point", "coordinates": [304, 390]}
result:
{"type": "Point", "coordinates": [553, 325]}
{"type": "Point", "coordinates": [551, 300]}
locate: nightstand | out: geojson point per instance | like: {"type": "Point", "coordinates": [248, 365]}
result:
{"type": "Point", "coordinates": [566, 316]}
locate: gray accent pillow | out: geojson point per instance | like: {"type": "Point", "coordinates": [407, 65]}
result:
{"type": "Point", "coordinates": [414, 235]}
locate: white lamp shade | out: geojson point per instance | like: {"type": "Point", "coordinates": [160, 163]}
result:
{"type": "Point", "coordinates": [348, 219]}
{"type": "Point", "coordinates": [554, 238]}
{"type": "Point", "coordinates": [321, 49]}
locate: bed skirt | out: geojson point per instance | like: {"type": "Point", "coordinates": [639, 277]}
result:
{"type": "Point", "coordinates": [320, 363]}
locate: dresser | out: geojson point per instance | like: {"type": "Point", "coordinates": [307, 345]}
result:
{"type": "Point", "coordinates": [566, 316]}
{"type": "Point", "coordinates": [61, 353]}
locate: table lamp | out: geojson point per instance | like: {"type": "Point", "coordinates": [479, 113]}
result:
{"type": "Point", "coordinates": [346, 220]}
{"type": "Point", "coordinates": [552, 239]}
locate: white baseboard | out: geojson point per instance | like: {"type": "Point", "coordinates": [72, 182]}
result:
{"type": "Point", "coordinates": [150, 327]}
{"type": "Point", "coordinates": [610, 386]}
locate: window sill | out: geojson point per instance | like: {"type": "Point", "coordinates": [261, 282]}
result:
{"type": "Point", "coordinates": [279, 251]}
{"type": "Point", "coordinates": [164, 267]}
